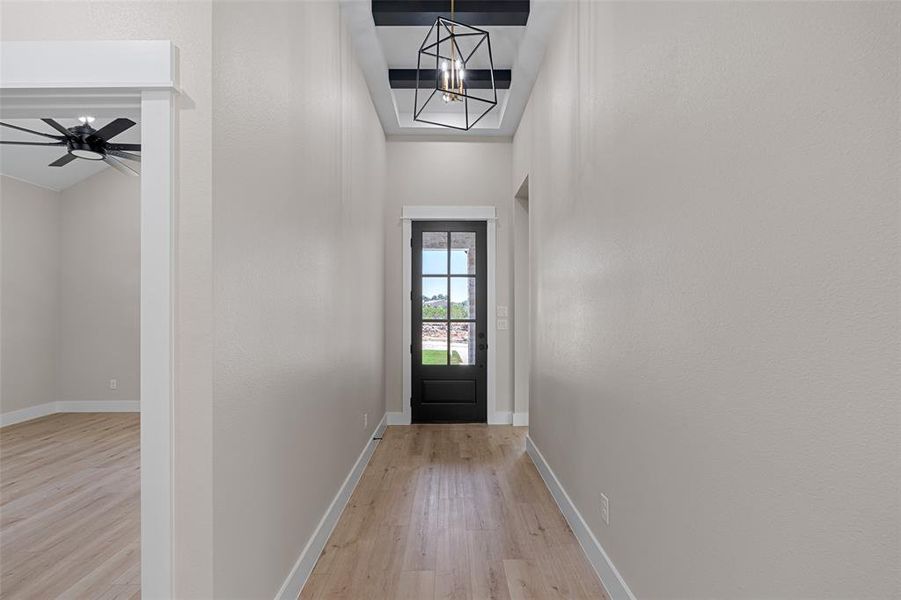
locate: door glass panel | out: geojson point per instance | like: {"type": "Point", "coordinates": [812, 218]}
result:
{"type": "Point", "coordinates": [463, 252]}
{"type": "Point", "coordinates": [463, 298]}
{"type": "Point", "coordinates": [434, 252]}
{"type": "Point", "coordinates": [434, 297]}
{"type": "Point", "coordinates": [463, 343]}
{"type": "Point", "coordinates": [434, 343]}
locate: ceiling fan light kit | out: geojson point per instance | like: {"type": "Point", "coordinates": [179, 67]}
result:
{"type": "Point", "coordinates": [453, 101]}
{"type": "Point", "coordinates": [87, 143]}
{"type": "Point", "coordinates": [82, 150]}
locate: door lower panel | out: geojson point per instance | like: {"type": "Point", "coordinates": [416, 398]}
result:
{"type": "Point", "coordinates": [444, 391]}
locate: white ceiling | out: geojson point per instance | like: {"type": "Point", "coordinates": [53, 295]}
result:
{"type": "Point", "coordinates": [29, 163]}
{"type": "Point", "coordinates": [378, 49]}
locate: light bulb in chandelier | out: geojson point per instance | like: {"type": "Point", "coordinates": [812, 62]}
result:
{"type": "Point", "coordinates": [452, 81]}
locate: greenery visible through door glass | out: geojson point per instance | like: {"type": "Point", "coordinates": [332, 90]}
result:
{"type": "Point", "coordinates": [463, 298]}
{"type": "Point", "coordinates": [435, 301]}
{"type": "Point", "coordinates": [439, 357]}
{"type": "Point", "coordinates": [434, 297]}
{"type": "Point", "coordinates": [434, 344]}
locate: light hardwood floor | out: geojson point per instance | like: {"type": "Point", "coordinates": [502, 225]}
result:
{"type": "Point", "coordinates": [70, 507]}
{"type": "Point", "coordinates": [452, 511]}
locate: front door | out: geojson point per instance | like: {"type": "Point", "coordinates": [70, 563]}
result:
{"type": "Point", "coordinates": [450, 342]}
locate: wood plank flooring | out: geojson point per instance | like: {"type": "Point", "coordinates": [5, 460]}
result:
{"type": "Point", "coordinates": [70, 507]}
{"type": "Point", "coordinates": [452, 512]}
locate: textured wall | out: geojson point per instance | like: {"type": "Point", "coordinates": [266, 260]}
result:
{"type": "Point", "coordinates": [29, 294]}
{"type": "Point", "coordinates": [480, 174]}
{"type": "Point", "coordinates": [299, 173]}
{"type": "Point", "coordinates": [100, 288]}
{"type": "Point", "coordinates": [71, 291]}
{"type": "Point", "coordinates": [715, 204]}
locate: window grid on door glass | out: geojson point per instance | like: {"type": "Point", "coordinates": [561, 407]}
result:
{"type": "Point", "coordinates": [448, 298]}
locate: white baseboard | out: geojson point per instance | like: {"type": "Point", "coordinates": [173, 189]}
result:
{"type": "Point", "coordinates": [520, 419]}
{"type": "Point", "coordinates": [380, 428]}
{"type": "Point", "coordinates": [293, 585]}
{"type": "Point", "coordinates": [27, 414]}
{"type": "Point", "coordinates": [610, 578]}
{"type": "Point", "coordinates": [74, 406]}
{"type": "Point", "coordinates": [79, 406]}
{"type": "Point", "coordinates": [500, 417]}
{"type": "Point", "coordinates": [396, 418]}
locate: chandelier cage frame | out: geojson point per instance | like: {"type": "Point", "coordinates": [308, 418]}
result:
{"type": "Point", "coordinates": [433, 49]}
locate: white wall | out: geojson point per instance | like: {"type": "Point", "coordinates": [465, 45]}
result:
{"type": "Point", "coordinates": [71, 291]}
{"type": "Point", "coordinates": [299, 173]}
{"type": "Point", "coordinates": [481, 178]}
{"type": "Point", "coordinates": [714, 192]}
{"type": "Point", "coordinates": [521, 313]}
{"type": "Point", "coordinates": [100, 288]}
{"type": "Point", "coordinates": [29, 295]}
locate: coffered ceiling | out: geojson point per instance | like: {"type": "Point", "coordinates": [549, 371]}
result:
{"type": "Point", "coordinates": [387, 35]}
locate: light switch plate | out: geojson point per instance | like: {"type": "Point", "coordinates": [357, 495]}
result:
{"type": "Point", "coordinates": [502, 324]}
{"type": "Point", "coordinates": [502, 311]}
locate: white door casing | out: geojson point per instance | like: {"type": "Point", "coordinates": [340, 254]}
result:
{"type": "Point", "coordinates": [450, 213]}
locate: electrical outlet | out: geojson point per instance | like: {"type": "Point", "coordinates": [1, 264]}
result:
{"type": "Point", "coordinates": [114, 384]}
{"type": "Point", "coordinates": [502, 311]}
{"type": "Point", "coordinates": [365, 420]}
{"type": "Point", "coordinates": [502, 324]}
{"type": "Point", "coordinates": [605, 509]}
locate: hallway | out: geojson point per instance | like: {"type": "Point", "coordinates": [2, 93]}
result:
{"type": "Point", "coordinates": [452, 511]}
{"type": "Point", "coordinates": [459, 299]}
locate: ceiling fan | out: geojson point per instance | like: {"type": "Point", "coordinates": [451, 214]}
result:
{"type": "Point", "coordinates": [85, 142]}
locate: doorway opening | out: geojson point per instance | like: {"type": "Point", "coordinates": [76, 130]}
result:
{"type": "Point", "coordinates": [488, 216]}
{"type": "Point", "coordinates": [450, 338]}
{"type": "Point", "coordinates": [522, 304]}
{"type": "Point", "coordinates": [112, 79]}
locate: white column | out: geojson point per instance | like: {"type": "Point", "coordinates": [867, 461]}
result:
{"type": "Point", "coordinates": [157, 389]}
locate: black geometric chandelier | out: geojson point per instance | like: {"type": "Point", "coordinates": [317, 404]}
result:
{"type": "Point", "coordinates": [451, 96]}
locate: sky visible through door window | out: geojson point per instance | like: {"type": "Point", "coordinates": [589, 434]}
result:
{"type": "Point", "coordinates": [435, 261]}
{"type": "Point", "coordinates": [437, 306]}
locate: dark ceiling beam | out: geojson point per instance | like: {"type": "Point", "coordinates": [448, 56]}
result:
{"type": "Point", "coordinates": [476, 79]}
{"type": "Point", "coordinates": [412, 13]}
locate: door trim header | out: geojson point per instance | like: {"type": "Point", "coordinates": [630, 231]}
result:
{"type": "Point", "coordinates": [449, 213]}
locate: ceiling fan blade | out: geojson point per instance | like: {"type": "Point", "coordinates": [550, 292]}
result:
{"type": "Point", "coordinates": [125, 155]}
{"type": "Point", "coordinates": [120, 166]}
{"type": "Point", "coordinates": [126, 147]}
{"type": "Point", "coordinates": [114, 128]}
{"type": "Point", "coordinates": [57, 126]}
{"type": "Point", "coordinates": [34, 143]}
{"type": "Point", "coordinates": [53, 137]}
{"type": "Point", "coordinates": [63, 160]}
